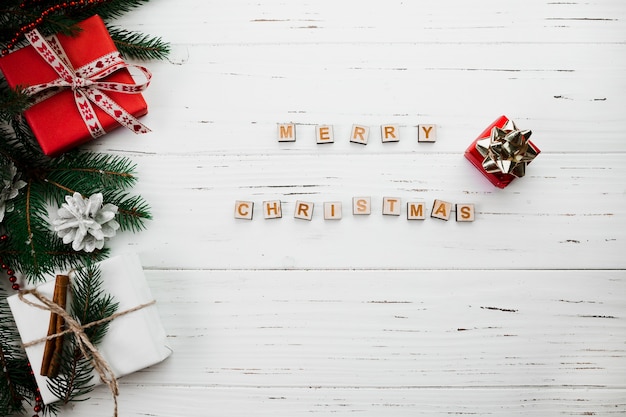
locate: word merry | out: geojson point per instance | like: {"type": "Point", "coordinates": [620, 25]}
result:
{"type": "Point", "coordinates": [358, 134]}
{"type": "Point", "coordinates": [333, 210]}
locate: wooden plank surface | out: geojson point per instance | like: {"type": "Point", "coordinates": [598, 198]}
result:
{"type": "Point", "coordinates": [519, 313]}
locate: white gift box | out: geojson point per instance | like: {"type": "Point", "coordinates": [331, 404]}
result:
{"type": "Point", "coordinates": [134, 341]}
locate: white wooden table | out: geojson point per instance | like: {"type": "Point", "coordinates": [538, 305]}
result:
{"type": "Point", "coordinates": [522, 312]}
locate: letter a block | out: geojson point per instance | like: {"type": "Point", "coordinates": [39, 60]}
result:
{"type": "Point", "coordinates": [441, 210]}
{"type": "Point", "coordinates": [415, 210]}
{"type": "Point", "coordinates": [287, 132]}
{"type": "Point", "coordinates": [244, 209]}
{"type": "Point", "coordinates": [303, 210]}
{"type": "Point", "coordinates": [361, 205]}
{"type": "Point", "coordinates": [272, 209]}
{"type": "Point", "coordinates": [391, 206]}
{"type": "Point", "coordinates": [426, 133]}
{"type": "Point", "coordinates": [464, 212]}
{"type": "Point", "coordinates": [359, 134]}
{"type": "Point", "coordinates": [389, 133]}
{"type": "Point", "coordinates": [332, 210]}
{"type": "Point", "coordinates": [324, 134]}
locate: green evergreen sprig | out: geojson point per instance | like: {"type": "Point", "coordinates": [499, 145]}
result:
{"type": "Point", "coordinates": [138, 45]}
{"type": "Point", "coordinates": [89, 304]}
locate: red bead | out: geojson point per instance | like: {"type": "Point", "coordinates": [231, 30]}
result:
{"type": "Point", "coordinates": [38, 399]}
{"type": "Point", "coordinates": [37, 408]}
{"type": "Point", "coordinates": [4, 237]}
{"type": "Point", "coordinates": [10, 272]}
{"type": "Point", "coordinates": [13, 278]}
{"type": "Point", "coordinates": [4, 266]}
{"type": "Point", "coordinates": [16, 287]}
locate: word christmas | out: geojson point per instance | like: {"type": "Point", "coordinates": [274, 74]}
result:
{"type": "Point", "coordinates": [358, 134]}
{"type": "Point", "coordinates": [392, 206]}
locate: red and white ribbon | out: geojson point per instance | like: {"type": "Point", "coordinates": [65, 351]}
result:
{"type": "Point", "coordinates": [86, 84]}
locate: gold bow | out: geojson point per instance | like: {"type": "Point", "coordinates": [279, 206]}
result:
{"type": "Point", "coordinates": [507, 150]}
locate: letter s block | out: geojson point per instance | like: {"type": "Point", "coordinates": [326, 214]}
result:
{"type": "Point", "coordinates": [464, 212]}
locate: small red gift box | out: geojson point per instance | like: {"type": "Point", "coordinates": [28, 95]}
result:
{"type": "Point", "coordinates": [56, 121]}
{"type": "Point", "coordinates": [525, 153]}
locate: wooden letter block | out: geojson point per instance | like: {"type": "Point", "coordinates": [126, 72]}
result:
{"type": "Point", "coordinates": [441, 210]}
{"type": "Point", "coordinates": [303, 210]}
{"type": "Point", "coordinates": [361, 205]}
{"type": "Point", "coordinates": [332, 210]}
{"type": "Point", "coordinates": [464, 212]}
{"type": "Point", "coordinates": [272, 209]}
{"type": "Point", "coordinates": [359, 134]}
{"type": "Point", "coordinates": [389, 133]}
{"type": "Point", "coordinates": [415, 210]}
{"type": "Point", "coordinates": [391, 206]}
{"type": "Point", "coordinates": [243, 210]}
{"type": "Point", "coordinates": [324, 134]}
{"type": "Point", "coordinates": [426, 133]}
{"type": "Point", "coordinates": [287, 132]}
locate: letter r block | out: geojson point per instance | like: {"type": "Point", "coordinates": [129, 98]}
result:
{"type": "Point", "coordinates": [389, 133]}
{"type": "Point", "coordinates": [244, 209]}
{"type": "Point", "coordinates": [359, 134]}
{"type": "Point", "coordinates": [427, 133]}
{"type": "Point", "coordinates": [303, 210]}
{"type": "Point", "coordinates": [272, 209]}
{"type": "Point", "coordinates": [464, 212]}
{"type": "Point", "coordinates": [286, 132]}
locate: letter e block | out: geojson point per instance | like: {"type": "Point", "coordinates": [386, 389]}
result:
{"type": "Point", "coordinates": [324, 134]}
{"type": "Point", "coordinates": [244, 209]}
{"type": "Point", "coordinates": [464, 212]}
{"type": "Point", "coordinates": [272, 209]}
{"type": "Point", "coordinates": [391, 206]}
{"type": "Point", "coordinates": [427, 133]}
{"type": "Point", "coordinates": [361, 205]}
{"type": "Point", "coordinates": [441, 210]}
{"type": "Point", "coordinates": [287, 132]}
{"type": "Point", "coordinates": [332, 210]}
{"type": "Point", "coordinates": [389, 133]}
{"type": "Point", "coordinates": [359, 134]}
{"type": "Point", "coordinates": [415, 210]}
{"type": "Point", "coordinates": [303, 210]}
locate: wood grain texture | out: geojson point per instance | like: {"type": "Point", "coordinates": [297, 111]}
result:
{"type": "Point", "coordinates": [520, 313]}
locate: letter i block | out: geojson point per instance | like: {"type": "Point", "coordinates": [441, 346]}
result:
{"type": "Point", "coordinates": [359, 134]}
{"type": "Point", "coordinates": [303, 210]}
{"type": "Point", "coordinates": [244, 209]}
{"type": "Point", "coordinates": [287, 132]}
{"type": "Point", "coordinates": [361, 205]}
{"type": "Point", "coordinates": [272, 209]}
{"type": "Point", "coordinates": [464, 212]}
{"type": "Point", "coordinates": [324, 134]}
{"type": "Point", "coordinates": [427, 133]}
{"type": "Point", "coordinates": [332, 210]}
{"type": "Point", "coordinates": [391, 206]}
{"type": "Point", "coordinates": [415, 210]}
{"type": "Point", "coordinates": [389, 133]}
{"type": "Point", "coordinates": [441, 210]}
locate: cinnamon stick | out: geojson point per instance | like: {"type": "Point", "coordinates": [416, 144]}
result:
{"type": "Point", "coordinates": [54, 347]}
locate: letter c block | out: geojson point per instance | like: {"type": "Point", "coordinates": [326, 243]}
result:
{"type": "Point", "coordinates": [244, 209]}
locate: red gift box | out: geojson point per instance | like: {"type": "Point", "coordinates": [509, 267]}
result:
{"type": "Point", "coordinates": [56, 121]}
{"type": "Point", "coordinates": [499, 179]}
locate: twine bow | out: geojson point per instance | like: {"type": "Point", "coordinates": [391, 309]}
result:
{"type": "Point", "coordinates": [87, 348]}
{"type": "Point", "coordinates": [507, 150]}
{"type": "Point", "coordinates": [85, 82]}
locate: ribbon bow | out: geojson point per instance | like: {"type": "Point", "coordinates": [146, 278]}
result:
{"type": "Point", "coordinates": [507, 150]}
{"type": "Point", "coordinates": [86, 84]}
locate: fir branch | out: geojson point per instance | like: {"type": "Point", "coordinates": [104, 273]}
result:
{"type": "Point", "coordinates": [133, 211]}
{"type": "Point", "coordinates": [139, 46]}
{"type": "Point", "coordinates": [89, 304]}
{"type": "Point", "coordinates": [12, 102]}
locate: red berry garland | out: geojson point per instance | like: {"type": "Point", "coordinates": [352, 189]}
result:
{"type": "Point", "coordinates": [13, 280]}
